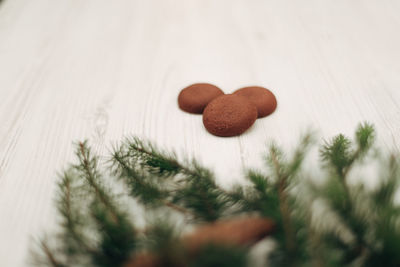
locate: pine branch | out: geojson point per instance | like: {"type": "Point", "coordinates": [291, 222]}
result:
{"type": "Point", "coordinates": [261, 196]}
{"type": "Point", "coordinates": [177, 208]}
{"type": "Point", "coordinates": [193, 189]}
{"type": "Point", "coordinates": [74, 239]}
{"type": "Point", "coordinates": [50, 255]}
{"type": "Point", "coordinates": [89, 166]}
{"type": "Point", "coordinates": [339, 155]}
{"type": "Point", "coordinates": [116, 232]}
{"type": "Point", "coordinates": [97, 230]}
{"type": "Point", "coordinates": [285, 173]}
{"type": "Point", "coordinates": [283, 202]}
{"type": "Point", "coordinates": [137, 181]}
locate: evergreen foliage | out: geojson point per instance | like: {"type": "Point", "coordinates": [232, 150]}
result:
{"type": "Point", "coordinates": [358, 225]}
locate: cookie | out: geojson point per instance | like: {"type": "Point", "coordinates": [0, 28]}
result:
{"type": "Point", "coordinates": [194, 98]}
{"type": "Point", "coordinates": [229, 115]}
{"type": "Point", "coordinates": [261, 97]}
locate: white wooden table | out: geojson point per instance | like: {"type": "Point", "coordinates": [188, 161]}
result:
{"type": "Point", "coordinates": [101, 69]}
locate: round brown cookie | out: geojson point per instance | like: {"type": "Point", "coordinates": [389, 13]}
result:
{"type": "Point", "coordinates": [229, 115]}
{"type": "Point", "coordinates": [263, 98]}
{"type": "Point", "coordinates": [194, 98]}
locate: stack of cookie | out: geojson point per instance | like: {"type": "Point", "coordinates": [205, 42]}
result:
{"type": "Point", "coordinates": [227, 114]}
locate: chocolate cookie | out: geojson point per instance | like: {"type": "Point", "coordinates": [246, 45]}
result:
{"type": "Point", "coordinates": [263, 98]}
{"type": "Point", "coordinates": [229, 115]}
{"type": "Point", "coordinates": [194, 98]}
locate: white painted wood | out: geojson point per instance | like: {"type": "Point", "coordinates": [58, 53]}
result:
{"type": "Point", "coordinates": [100, 69]}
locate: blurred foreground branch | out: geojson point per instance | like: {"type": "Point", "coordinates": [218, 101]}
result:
{"type": "Point", "coordinates": [332, 222]}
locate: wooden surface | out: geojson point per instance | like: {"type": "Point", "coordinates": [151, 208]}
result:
{"type": "Point", "coordinates": [101, 69]}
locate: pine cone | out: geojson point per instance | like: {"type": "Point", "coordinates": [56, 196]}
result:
{"type": "Point", "coordinates": [233, 232]}
{"type": "Point", "coordinates": [144, 259]}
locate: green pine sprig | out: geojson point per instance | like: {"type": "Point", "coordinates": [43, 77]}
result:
{"type": "Point", "coordinates": [98, 228]}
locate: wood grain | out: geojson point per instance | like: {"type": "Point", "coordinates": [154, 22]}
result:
{"type": "Point", "coordinates": [97, 69]}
